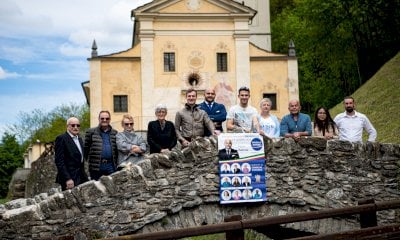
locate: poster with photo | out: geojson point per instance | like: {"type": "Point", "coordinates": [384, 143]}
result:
{"type": "Point", "coordinates": [241, 168]}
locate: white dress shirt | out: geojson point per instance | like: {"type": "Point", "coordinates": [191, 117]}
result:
{"type": "Point", "coordinates": [351, 127]}
{"type": "Point", "coordinates": [77, 143]}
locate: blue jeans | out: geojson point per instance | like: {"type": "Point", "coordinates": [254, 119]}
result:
{"type": "Point", "coordinates": [105, 169]}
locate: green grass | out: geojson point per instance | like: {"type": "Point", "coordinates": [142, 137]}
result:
{"type": "Point", "coordinates": [379, 98]}
{"type": "Point", "coordinates": [3, 200]}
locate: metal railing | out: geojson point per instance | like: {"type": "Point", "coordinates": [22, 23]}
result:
{"type": "Point", "coordinates": [234, 226]}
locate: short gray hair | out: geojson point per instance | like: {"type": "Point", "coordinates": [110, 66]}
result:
{"type": "Point", "coordinates": [160, 107]}
{"type": "Point", "coordinates": [265, 100]}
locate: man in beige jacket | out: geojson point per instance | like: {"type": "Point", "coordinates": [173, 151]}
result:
{"type": "Point", "coordinates": [191, 121]}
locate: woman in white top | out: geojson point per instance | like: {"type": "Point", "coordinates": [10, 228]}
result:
{"type": "Point", "coordinates": [268, 124]}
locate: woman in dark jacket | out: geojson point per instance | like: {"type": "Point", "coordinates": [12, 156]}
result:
{"type": "Point", "coordinates": [161, 134]}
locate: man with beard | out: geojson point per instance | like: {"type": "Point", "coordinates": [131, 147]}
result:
{"type": "Point", "coordinates": [216, 111]}
{"type": "Point", "coordinates": [351, 123]}
{"type": "Point", "coordinates": [295, 124]}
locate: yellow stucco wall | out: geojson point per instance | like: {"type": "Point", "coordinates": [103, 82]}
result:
{"type": "Point", "coordinates": [117, 78]}
{"type": "Point", "coordinates": [270, 77]}
{"type": "Point", "coordinates": [203, 7]}
{"type": "Point", "coordinates": [195, 44]}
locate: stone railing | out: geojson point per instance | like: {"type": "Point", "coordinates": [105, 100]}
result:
{"type": "Point", "coordinates": [182, 189]}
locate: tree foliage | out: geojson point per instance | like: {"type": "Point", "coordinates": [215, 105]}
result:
{"type": "Point", "coordinates": [10, 159]}
{"type": "Point", "coordinates": [340, 44]}
{"type": "Point", "coordinates": [38, 125]}
{"type": "Point", "coordinates": [32, 127]}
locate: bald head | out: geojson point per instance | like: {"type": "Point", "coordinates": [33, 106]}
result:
{"type": "Point", "coordinates": [293, 102]}
{"type": "Point", "coordinates": [209, 95]}
{"type": "Point", "coordinates": [228, 143]}
{"type": "Point", "coordinates": [294, 106]}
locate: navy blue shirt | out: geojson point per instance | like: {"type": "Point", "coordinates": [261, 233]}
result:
{"type": "Point", "coordinates": [107, 149]}
{"type": "Point", "coordinates": [217, 114]}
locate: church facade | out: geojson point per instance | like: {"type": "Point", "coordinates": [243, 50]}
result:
{"type": "Point", "coordinates": [200, 44]}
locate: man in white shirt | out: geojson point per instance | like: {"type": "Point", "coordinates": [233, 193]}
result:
{"type": "Point", "coordinates": [351, 123]}
{"type": "Point", "coordinates": [240, 117]}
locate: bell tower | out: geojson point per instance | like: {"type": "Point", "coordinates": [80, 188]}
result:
{"type": "Point", "coordinates": [260, 27]}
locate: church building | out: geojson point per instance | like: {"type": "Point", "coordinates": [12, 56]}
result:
{"type": "Point", "coordinates": [200, 44]}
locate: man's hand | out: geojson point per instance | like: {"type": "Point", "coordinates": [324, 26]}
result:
{"type": "Point", "coordinates": [185, 143]}
{"type": "Point", "coordinates": [136, 149]}
{"type": "Point", "coordinates": [165, 150]}
{"type": "Point", "coordinates": [70, 184]}
{"type": "Point", "coordinates": [296, 136]}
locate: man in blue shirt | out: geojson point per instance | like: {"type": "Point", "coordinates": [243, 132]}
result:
{"type": "Point", "coordinates": [295, 124]}
{"type": "Point", "coordinates": [216, 112]}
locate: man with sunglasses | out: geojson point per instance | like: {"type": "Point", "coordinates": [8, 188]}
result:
{"type": "Point", "coordinates": [130, 145]}
{"type": "Point", "coordinates": [69, 156]}
{"type": "Point", "coordinates": [101, 147]}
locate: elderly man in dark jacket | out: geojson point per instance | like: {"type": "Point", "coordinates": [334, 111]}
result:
{"type": "Point", "coordinates": [69, 156]}
{"type": "Point", "coordinates": [101, 147]}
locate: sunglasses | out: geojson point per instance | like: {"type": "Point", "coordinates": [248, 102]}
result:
{"type": "Point", "coordinates": [105, 119]}
{"type": "Point", "coordinates": [128, 124]}
{"type": "Point", "coordinates": [75, 125]}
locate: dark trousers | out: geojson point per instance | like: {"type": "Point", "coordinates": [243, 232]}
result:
{"type": "Point", "coordinates": [105, 170]}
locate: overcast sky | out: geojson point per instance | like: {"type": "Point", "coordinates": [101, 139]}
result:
{"type": "Point", "coordinates": [44, 46]}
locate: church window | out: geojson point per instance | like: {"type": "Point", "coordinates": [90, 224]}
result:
{"type": "Point", "coordinates": [272, 97]}
{"type": "Point", "coordinates": [222, 62]}
{"type": "Point", "coordinates": [120, 103]}
{"type": "Point", "coordinates": [169, 62]}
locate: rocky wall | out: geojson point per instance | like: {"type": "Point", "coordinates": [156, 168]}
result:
{"type": "Point", "coordinates": [182, 190]}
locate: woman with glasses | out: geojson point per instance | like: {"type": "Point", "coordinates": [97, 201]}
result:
{"type": "Point", "coordinates": [324, 126]}
{"type": "Point", "coordinates": [131, 146]}
{"type": "Point", "coordinates": [161, 134]}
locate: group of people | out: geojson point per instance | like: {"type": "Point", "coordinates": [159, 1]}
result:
{"type": "Point", "coordinates": [105, 149]}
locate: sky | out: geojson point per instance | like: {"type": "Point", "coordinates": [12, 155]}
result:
{"type": "Point", "coordinates": [44, 46]}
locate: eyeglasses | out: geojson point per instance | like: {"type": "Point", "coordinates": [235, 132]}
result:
{"type": "Point", "coordinates": [75, 125]}
{"type": "Point", "coordinates": [105, 119]}
{"type": "Point", "coordinates": [128, 124]}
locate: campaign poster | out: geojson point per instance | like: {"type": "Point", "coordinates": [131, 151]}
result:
{"type": "Point", "coordinates": [241, 168]}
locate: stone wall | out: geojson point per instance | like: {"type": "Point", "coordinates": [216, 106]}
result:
{"type": "Point", "coordinates": [17, 183]}
{"type": "Point", "coordinates": [181, 190]}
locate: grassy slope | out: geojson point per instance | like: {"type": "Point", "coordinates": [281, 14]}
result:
{"type": "Point", "coordinates": [379, 99]}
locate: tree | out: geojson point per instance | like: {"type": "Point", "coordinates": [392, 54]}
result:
{"type": "Point", "coordinates": [340, 44]}
{"type": "Point", "coordinates": [10, 159]}
{"type": "Point", "coordinates": [45, 127]}
{"type": "Point", "coordinates": [31, 127]}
